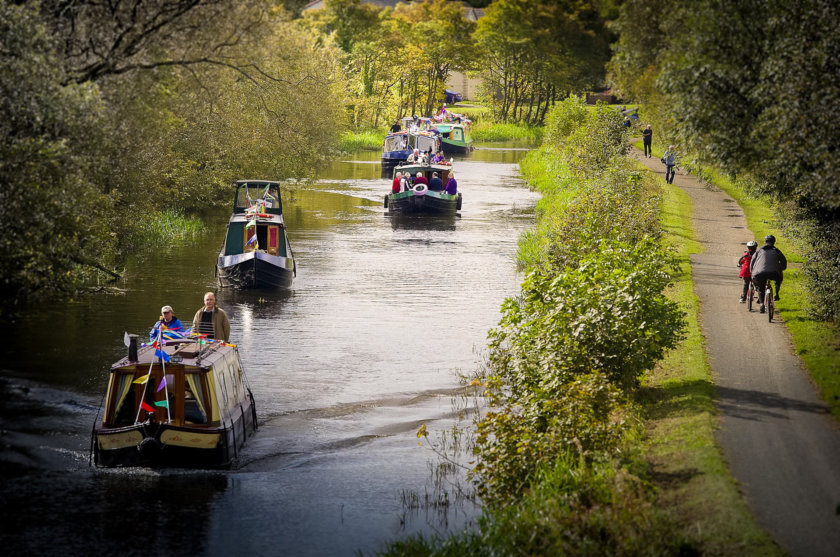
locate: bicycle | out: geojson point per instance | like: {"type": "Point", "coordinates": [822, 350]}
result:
{"type": "Point", "coordinates": [750, 295]}
{"type": "Point", "coordinates": [768, 300]}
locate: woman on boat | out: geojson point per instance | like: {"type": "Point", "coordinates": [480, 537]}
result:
{"type": "Point", "coordinates": [171, 325]}
{"type": "Point", "coordinates": [451, 185]}
{"type": "Point", "coordinates": [438, 158]}
{"type": "Point", "coordinates": [211, 320]}
{"type": "Point", "coordinates": [420, 179]}
{"type": "Point", "coordinates": [395, 186]}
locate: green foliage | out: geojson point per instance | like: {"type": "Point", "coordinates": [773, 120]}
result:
{"type": "Point", "coordinates": [53, 227]}
{"type": "Point", "coordinates": [168, 228]}
{"type": "Point", "coordinates": [584, 417]}
{"type": "Point", "coordinates": [534, 53]}
{"type": "Point", "coordinates": [489, 131]}
{"type": "Point", "coordinates": [368, 140]}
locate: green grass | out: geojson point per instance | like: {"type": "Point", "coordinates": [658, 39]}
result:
{"type": "Point", "coordinates": [489, 131]}
{"type": "Point", "coordinates": [168, 228]}
{"type": "Point", "coordinates": [363, 140]}
{"type": "Point", "coordinates": [694, 482]}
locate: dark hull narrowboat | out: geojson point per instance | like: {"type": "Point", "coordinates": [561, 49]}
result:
{"type": "Point", "coordinates": [195, 411]}
{"type": "Point", "coordinates": [421, 200]}
{"type": "Point", "coordinates": [256, 252]}
{"type": "Point", "coordinates": [256, 270]}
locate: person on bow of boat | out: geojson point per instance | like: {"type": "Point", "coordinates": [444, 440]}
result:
{"type": "Point", "coordinates": [451, 185]}
{"type": "Point", "coordinates": [420, 179]}
{"type": "Point", "coordinates": [168, 323]}
{"type": "Point", "coordinates": [435, 184]}
{"type": "Point", "coordinates": [211, 320]}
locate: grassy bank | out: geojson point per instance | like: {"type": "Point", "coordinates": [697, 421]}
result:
{"type": "Point", "coordinates": [488, 131]}
{"type": "Point", "coordinates": [677, 400]}
{"type": "Point", "coordinates": [167, 228]}
{"type": "Point", "coordinates": [816, 342]}
{"type": "Point", "coordinates": [362, 140]}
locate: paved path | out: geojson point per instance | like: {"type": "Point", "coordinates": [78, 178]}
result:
{"type": "Point", "coordinates": [782, 445]}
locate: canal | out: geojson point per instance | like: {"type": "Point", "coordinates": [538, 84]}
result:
{"type": "Point", "coordinates": [385, 317]}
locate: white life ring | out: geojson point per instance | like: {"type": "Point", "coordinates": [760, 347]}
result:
{"type": "Point", "coordinates": [420, 189]}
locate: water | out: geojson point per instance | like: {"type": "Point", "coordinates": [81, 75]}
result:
{"type": "Point", "coordinates": [384, 316]}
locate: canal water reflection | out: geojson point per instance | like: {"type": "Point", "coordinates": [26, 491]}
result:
{"type": "Point", "coordinates": [384, 315]}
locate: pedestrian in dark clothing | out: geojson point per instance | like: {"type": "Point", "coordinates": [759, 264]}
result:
{"type": "Point", "coordinates": [647, 138]}
{"type": "Point", "coordinates": [435, 184]}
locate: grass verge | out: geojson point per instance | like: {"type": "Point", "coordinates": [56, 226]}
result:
{"type": "Point", "coordinates": [690, 473]}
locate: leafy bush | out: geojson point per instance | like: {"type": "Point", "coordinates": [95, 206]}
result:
{"type": "Point", "coordinates": [585, 415]}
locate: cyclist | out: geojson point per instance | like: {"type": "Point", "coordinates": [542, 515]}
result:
{"type": "Point", "coordinates": [767, 264]}
{"type": "Point", "coordinates": [744, 263]}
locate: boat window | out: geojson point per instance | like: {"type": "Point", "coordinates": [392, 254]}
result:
{"type": "Point", "coordinates": [458, 134]}
{"type": "Point", "coordinates": [124, 409]}
{"type": "Point", "coordinates": [269, 193]}
{"type": "Point", "coordinates": [194, 408]}
{"type": "Point", "coordinates": [426, 143]}
{"type": "Point", "coordinates": [396, 143]}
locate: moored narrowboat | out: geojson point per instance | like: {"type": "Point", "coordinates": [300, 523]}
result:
{"type": "Point", "coordinates": [184, 405]}
{"type": "Point", "coordinates": [256, 252]}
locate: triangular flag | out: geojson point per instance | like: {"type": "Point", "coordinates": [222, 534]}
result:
{"type": "Point", "coordinates": [162, 403]}
{"type": "Point", "coordinates": [142, 380]}
{"type": "Point", "coordinates": [162, 383]}
{"type": "Point", "coordinates": [146, 407]}
{"type": "Point", "coordinates": [126, 340]}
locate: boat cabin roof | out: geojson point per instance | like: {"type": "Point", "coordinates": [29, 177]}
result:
{"type": "Point", "coordinates": [249, 192]}
{"type": "Point", "coordinates": [443, 170]}
{"type": "Point", "coordinates": [181, 351]}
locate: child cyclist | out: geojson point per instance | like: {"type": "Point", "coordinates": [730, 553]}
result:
{"type": "Point", "coordinates": [744, 263]}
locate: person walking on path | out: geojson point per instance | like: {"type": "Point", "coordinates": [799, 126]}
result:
{"type": "Point", "coordinates": [669, 159]}
{"type": "Point", "coordinates": [647, 138]}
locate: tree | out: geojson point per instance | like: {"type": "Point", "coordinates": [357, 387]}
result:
{"type": "Point", "coordinates": [53, 214]}
{"type": "Point", "coordinates": [537, 52]}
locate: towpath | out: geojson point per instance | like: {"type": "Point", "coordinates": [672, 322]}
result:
{"type": "Point", "coordinates": [781, 444]}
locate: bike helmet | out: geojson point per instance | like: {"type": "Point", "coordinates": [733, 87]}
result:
{"type": "Point", "coordinates": [770, 239]}
{"type": "Point", "coordinates": [751, 245]}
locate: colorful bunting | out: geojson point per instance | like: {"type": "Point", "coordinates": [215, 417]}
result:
{"type": "Point", "coordinates": [162, 355]}
{"type": "Point", "coordinates": [162, 385]}
{"type": "Point", "coordinates": [162, 404]}
{"type": "Point", "coordinates": [142, 380]}
{"type": "Point", "coordinates": [146, 407]}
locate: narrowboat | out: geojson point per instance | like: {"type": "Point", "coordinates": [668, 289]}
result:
{"type": "Point", "coordinates": [455, 137]}
{"type": "Point", "coordinates": [420, 199]}
{"type": "Point", "coordinates": [185, 404]}
{"type": "Point", "coordinates": [256, 251]}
